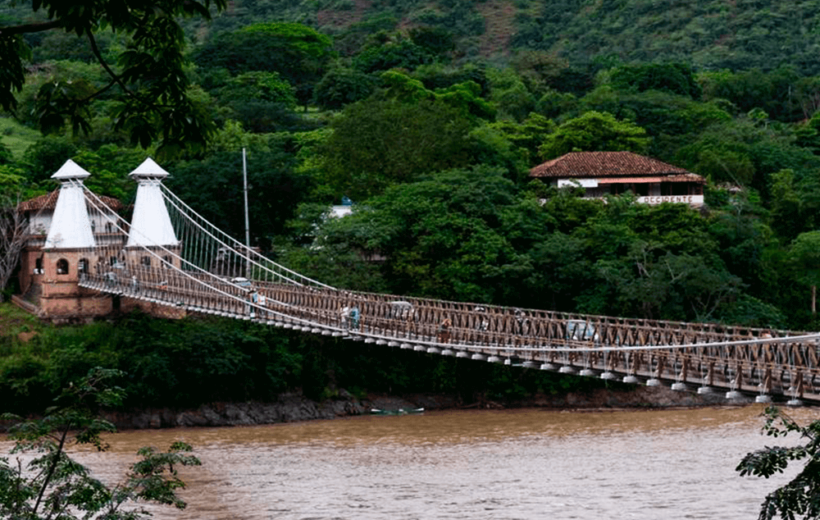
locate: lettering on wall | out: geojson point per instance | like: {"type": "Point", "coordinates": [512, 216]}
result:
{"type": "Point", "coordinates": [683, 199]}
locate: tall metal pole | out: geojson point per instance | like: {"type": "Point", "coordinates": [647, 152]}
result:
{"type": "Point", "coordinates": [247, 221]}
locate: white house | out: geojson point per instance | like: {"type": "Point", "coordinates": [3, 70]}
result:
{"type": "Point", "coordinates": [612, 173]}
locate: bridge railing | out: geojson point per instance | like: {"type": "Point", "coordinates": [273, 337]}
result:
{"type": "Point", "coordinates": [700, 353]}
{"type": "Point", "coordinates": [603, 343]}
{"type": "Point", "coordinates": [566, 340]}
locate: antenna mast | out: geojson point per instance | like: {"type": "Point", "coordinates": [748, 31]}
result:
{"type": "Point", "coordinates": [247, 221]}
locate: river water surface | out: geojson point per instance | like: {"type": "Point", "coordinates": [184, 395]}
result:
{"type": "Point", "coordinates": [522, 464]}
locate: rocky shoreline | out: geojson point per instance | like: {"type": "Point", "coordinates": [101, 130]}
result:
{"type": "Point", "coordinates": [294, 407]}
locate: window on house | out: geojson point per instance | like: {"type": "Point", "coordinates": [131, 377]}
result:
{"type": "Point", "coordinates": [146, 261]}
{"type": "Point", "coordinates": [167, 262]}
{"type": "Point", "coordinates": [82, 266]}
{"type": "Point", "coordinates": [62, 266]}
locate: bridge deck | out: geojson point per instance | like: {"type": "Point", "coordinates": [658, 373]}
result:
{"type": "Point", "coordinates": [771, 363]}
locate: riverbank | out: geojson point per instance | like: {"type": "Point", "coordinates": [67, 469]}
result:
{"type": "Point", "coordinates": [294, 407]}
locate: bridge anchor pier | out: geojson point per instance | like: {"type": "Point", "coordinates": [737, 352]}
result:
{"type": "Point", "coordinates": [733, 395]}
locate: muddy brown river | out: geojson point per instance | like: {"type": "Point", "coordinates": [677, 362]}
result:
{"type": "Point", "coordinates": [522, 464]}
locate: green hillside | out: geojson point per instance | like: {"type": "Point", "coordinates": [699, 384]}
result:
{"type": "Point", "coordinates": [711, 34]}
{"type": "Point", "coordinates": [16, 136]}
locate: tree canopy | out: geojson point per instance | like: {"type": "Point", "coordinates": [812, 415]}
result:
{"type": "Point", "coordinates": [378, 143]}
{"type": "Point", "coordinates": [298, 53]}
{"type": "Point", "coordinates": [149, 74]}
{"type": "Point", "coordinates": [594, 131]}
{"type": "Point", "coordinates": [805, 252]}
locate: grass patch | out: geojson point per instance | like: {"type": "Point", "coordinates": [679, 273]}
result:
{"type": "Point", "coordinates": [14, 321]}
{"type": "Point", "coordinates": [16, 136]}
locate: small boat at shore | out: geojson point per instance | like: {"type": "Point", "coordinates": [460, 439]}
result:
{"type": "Point", "coordinates": [400, 411]}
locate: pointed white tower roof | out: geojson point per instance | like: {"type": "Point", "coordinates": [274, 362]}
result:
{"type": "Point", "coordinates": [151, 224]}
{"type": "Point", "coordinates": [70, 225]}
{"type": "Point", "coordinates": [70, 170]}
{"type": "Point", "coordinates": [149, 169]}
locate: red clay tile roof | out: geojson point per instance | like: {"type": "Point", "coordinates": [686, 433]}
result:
{"type": "Point", "coordinates": [49, 201]}
{"type": "Point", "coordinates": [608, 164]}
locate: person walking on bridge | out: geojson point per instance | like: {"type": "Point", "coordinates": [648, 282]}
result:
{"type": "Point", "coordinates": [444, 331]}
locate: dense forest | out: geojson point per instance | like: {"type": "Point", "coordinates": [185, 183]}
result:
{"type": "Point", "coordinates": [428, 116]}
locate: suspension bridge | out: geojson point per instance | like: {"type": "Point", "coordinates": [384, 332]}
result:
{"type": "Point", "coordinates": [169, 255]}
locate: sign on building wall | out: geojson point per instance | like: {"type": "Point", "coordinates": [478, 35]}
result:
{"type": "Point", "coordinates": [682, 199]}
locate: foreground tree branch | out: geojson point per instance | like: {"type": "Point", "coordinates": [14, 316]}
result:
{"type": "Point", "coordinates": [29, 28]}
{"type": "Point", "coordinates": [13, 235]}
{"type": "Point", "coordinates": [154, 100]}
{"type": "Point", "coordinates": [52, 485]}
{"type": "Point", "coordinates": [800, 498]}
{"type": "Point", "coordinates": [115, 78]}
